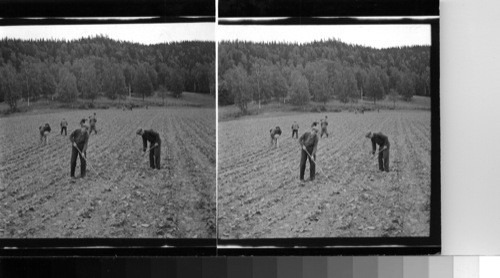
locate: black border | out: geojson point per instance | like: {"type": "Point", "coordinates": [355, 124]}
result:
{"type": "Point", "coordinates": [314, 8]}
{"type": "Point", "coordinates": [106, 246]}
{"type": "Point", "coordinates": [74, 21]}
{"type": "Point", "coordinates": [106, 8]}
{"type": "Point", "coordinates": [361, 245]}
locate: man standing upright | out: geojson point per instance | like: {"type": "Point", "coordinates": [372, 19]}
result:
{"type": "Point", "coordinates": [309, 144]}
{"type": "Point", "coordinates": [295, 129]}
{"type": "Point", "coordinates": [79, 141]}
{"type": "Point", "coordinates": [383, 149]}
{"type": "Point", "coordinates": [64, 127]}
{"type": "Point", "coordinates": [92, 121]}
{"type": "Point", "coordinates": [324, 124]}
{"type": "Point", "coordinates": [154, 146]}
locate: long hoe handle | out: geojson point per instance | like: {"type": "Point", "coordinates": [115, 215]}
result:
{"type": "Point", "coordinates": [312, 159]}
{"type": "Point", "coordinates": [88, 162]}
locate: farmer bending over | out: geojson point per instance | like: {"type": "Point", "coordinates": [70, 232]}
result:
{"type": "Point", "coordinates": [383, 149]}
{"type": "Point", "coordinates": [92, 121]}
{"type": "Point", "coordinates": [295, 130]}
{"type": "Point", "coordinates": [154, 146]}
{"type": "Point", "coordinates": [64, 127]}
{"type": "Point", "coordinates": [79, 141]}
{"type": "Point", "coordinates": [275, 134]}
{"type": "Point", "coordinates": [324, 124]}
{"type": "Point", "coordinates": [309, 143]}
{"type": "Point", "coordinates": [44, 131]}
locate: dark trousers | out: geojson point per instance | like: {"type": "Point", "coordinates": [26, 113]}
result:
{"type": "Point", "coordinates": [63, 128]}
{"type": "Point", "coordinates": [92, 127]}
{"type": "Point", "coordinates": [323, 131]}
{"type": "Point", "coordinates": [83, 163]}
{"type": "Point", "coordinates": [154, 156]}
{"type": "Point", "coordinates": [312, 166]}
{"type": "Point", "coordinates": [296, 133]}
{"type": "Point", "coordinates": [383, 160]}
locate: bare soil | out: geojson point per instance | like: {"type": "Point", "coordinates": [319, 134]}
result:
{"type": "Point", "coordinates": [260, 195]}
{"type": "Point", "coordinates": [120, 196]}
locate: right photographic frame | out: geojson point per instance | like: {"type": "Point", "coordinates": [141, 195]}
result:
{"type": "Point", "coordinates": [329, 136]}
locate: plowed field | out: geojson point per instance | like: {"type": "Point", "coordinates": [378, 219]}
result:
{"type": "Point", "coordinates": [260, 195]}
{"type": "Point", "coordinates": [127, 198]}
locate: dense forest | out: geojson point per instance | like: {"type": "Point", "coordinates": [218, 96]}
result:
{"type": "Point", "coordinates": [99, 66]}
{"type": "Point", "coordinates": [319, 71]}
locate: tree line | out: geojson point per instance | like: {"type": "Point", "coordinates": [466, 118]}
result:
{"type": "Point", "coordinates": [100, 66]}
{"type": "Point", "coordinates": [319, 71]}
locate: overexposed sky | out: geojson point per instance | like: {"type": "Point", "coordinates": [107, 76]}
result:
{"type": "Point", "coordinates": [377, 36]}
{"type": "Point", "coordinates": [139, 33]}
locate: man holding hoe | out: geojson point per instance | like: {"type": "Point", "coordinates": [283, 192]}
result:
{"type": "Point", "coordinates": [79, 141]}
{"type": "Point", "coordinates": [275, 134]}
{"type": "Point", "coordinates": [309, 143]}
{"type": "Point", "coordinates": [383, 149]}
{"type": "Point", "coordinates": [154, 146]}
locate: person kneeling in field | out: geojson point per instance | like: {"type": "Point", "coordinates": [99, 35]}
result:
{"type": "Point", "coordinates": [309, 143]}
{"type": "Point", "coordinates": [79, 141]}
{"type": "Point", "coordinates": [275, 134]}
{"type": "Point", "coordinates": [44, 131]}
{"type": "Point", "coordinates": [154, 146]}
{"type": "Point", "coordinates": [383, 149]}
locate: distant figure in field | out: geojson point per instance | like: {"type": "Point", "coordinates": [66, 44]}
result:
{"type": "Point", "coordinates": [64, 127]}
{"type": "Point", "coordinates": [79, 141]}
{"type": "Point", "coordinates": [154, 146]}
{"type": "Point", "coordinates": [324, 125]}
{"type": "Point", "coordinates": [92, 121]}
{"type": "Point", "coordinates": [383, 149]}
{"type": "Point", "coordinates": [44, 131]}
{"type": "Point", "coordinates": [275, 134]}
{"type": "Point", "coordinates": [309, 144]}
{"type": "Point", "coordinates": [295, 130]}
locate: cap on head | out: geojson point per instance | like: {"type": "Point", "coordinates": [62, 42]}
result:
{"type": "Point", "coordinates": [139, 131]}
{"type": "Point", "coordinates": [369, 135]}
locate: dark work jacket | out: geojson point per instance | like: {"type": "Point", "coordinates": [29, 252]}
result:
{"type": "Point", "coordinates": [381, 140]}
{"type": "Point", "coordinates": [44, 128]}
{"type": "Point", "coordinates": [151, 136]}
{"type": "Point", "coordinates": [275, 131]}
{"type": "Point", "coordinates": [80, 138]}
{"type": "Point", "coordinates": [309, 140]}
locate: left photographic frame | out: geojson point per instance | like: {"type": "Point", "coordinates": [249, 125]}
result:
{"type": "Point", "coordinates": [108, 136]}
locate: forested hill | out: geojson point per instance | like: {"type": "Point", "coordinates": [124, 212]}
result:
{"type": "Point", "coordinates": [320, 71]}
{"type": "Point", "coordinates": [103, 66]}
